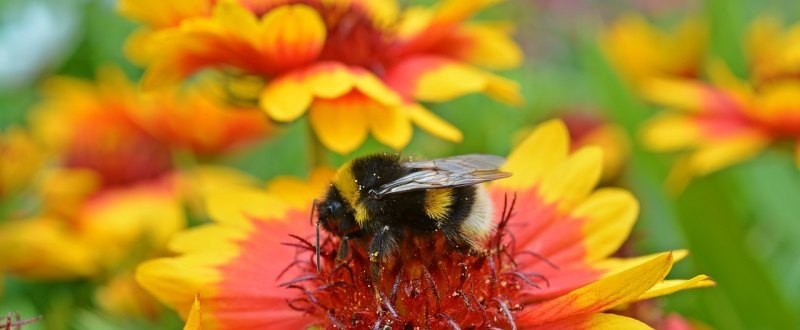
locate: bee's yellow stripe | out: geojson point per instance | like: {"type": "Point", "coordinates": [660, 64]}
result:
{"type": "Point", "coordinates": [345, 181]}
{"type": "Point", "coordinates": [438, 203]}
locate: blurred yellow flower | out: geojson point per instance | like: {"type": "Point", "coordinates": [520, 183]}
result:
{"type": "Point", "coordinates": [721, 123]}
{"type": "Point", "coordinates": [124, 298]}
{"type": "Point", "coordinates": [356, 66]}
{"type": "Point", "coordinates": [87, 122]}
{"type": "Point", "coordinates": [113, 195]}
{"type": "Point", "coordinates": [28, 157]}
{"type": "Point", "coordinates": [773, 50]}
{"type": "Point", "coordinates": [640, 51]}
{"type": "Point", "coordinates": [254, 268]}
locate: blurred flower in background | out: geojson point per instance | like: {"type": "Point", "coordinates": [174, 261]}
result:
{"type": "Point", "coordinates": [357, 67]}
{"type": "Point", "coordinates": [113, 195]}
{"type": "Point", "coordinates": [641, 51]}
{"type": "Point", "coordinates": [729, 120]}
{"type": "Point", "coordinates": [773, 50]}
{"type": "Point", "coordinates": [255, 268]}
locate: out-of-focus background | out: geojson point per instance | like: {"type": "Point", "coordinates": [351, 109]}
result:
{"type": "Point", "coordinates": [741, 224]}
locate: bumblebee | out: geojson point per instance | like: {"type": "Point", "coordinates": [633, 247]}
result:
{"type": "Point", "coordinates": [382, 199]}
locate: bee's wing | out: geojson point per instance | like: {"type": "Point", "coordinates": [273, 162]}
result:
{"type": "Point", "coordinates": [455, 171]}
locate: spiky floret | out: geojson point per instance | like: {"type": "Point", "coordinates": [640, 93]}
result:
{"type": "Point", "coordinates": [428, 284]}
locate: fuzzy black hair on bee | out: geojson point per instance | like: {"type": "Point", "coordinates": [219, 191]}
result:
{"type": "Point", "coordinates": [382, 199]}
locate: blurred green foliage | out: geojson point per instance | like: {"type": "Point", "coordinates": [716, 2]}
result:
{"type": "Point", "coordinates": [741, 224]}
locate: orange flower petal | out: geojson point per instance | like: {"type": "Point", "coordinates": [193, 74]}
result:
{"type": "Point", "coordinates": [601, 295]}
{"type": "Point", "coordinates": [217, 257]}
{"type": "Point", "coordinates": [291, 35]}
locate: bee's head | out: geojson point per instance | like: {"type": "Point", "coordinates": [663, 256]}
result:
{"type": "Point", "coordinates": [335, 215]}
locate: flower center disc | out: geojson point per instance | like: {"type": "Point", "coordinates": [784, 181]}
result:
{"type": "Point", "coordinates": [427, 284]}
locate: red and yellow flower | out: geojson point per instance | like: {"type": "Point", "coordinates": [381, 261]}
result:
{"type": "Point", "coordinates": [773, 51]}
{"type": "Point", "coordinates": [28, 157]}
{"type": "Point", "coordinates": [355, 66]}
{"type": "Point", "coordinates": [721, 123]}
{"type": "Point", "coordinates": [640, 52]}
{"type": "Point", "coordinates": [112, 195]}
{"type": "Point", "coordinates": [254, 267]}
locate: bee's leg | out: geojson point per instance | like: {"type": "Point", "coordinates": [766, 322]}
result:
{"type": "Point", "coordinates": [344, 245]}
{"type": "Point", "coordinates": [381, 249]}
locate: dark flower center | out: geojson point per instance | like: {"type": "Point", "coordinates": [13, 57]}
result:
{"type": "Point", "coordinates": [116, 150]}
{"type": "Point", "coordinates": [353, 37]}
{"type": "Point", "coordinates": [427, 285]}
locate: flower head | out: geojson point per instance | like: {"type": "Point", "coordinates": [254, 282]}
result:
{"type": "Point", "coordinates": [356, 67]}
{"type": "Point", "coordinates": [720, 123]}
{"type": "Point", "coordinates": [112, 196]}
{"type": "Point", "coordinates": [547, 262]}
{"type": "Point", "coordinates": [641, 52]}
{"type": "Point", "coordinates": [773, 50]}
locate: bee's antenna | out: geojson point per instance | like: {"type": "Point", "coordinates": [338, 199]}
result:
{"type": "Point", "coordinates": [313, 208]}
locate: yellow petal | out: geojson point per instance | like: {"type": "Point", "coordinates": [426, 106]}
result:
{"type": "Point", "coordinates": [574, 179]}
{"type": "Point", "coordinates": [285, 99]}
{"type": "Point", "coordinates": [603, 294]}
{"type": "Point", "coordinates": [389, 125]}
{"type": "Point", "coordinates": [491, 46]}
{"type": "Point", "coordinates": [328, 80]}
{"type": "Point", "coordinates": [292, 34]}
{"type": "Point", "coordinates": [195, 319]}
{"type": "Point", "coordinates": [299, 193]}
{"type": "Point", "coordinates": [610, 214]}
{"type": "Point", "coordinates": [716, 155]}
{"type": "Point", "coordinates": [617, 265]}
{"type": "Point", "coordinates": [600, 321]}
{"type": "Point", "coordinates": [671, 286]}
{"type": "Point", "coordinates": [239, 207]}
{"type": "Point", "coordinates": [340, 124]}
{"type": "Point", "coordinates": [676, 94]}
{"type": "Point", "coordinates": [447, 80]}
{"type": "Point", "coordinates": [175, 282]}
{"type": "Point", "coordinates": [671, 132]}
{"type": "Point", "coordinates": [504, 90]}
{"type": "Point", "coordinates": [433, 124]}
{"type": "Point", "coordinates": [375, 89]}
{"type": "Point", "coordinates": [234, 17]}
{"type": "Point", "coordinates": [217, 240]}
{"type": "Point", "coordinates": [537, 155]}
